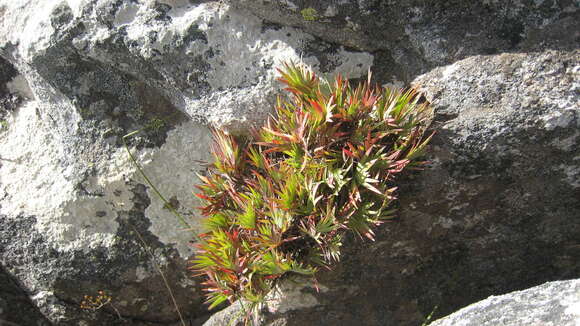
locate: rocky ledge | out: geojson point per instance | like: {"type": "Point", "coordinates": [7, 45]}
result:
{"type": "Point", "coordinates": [496, 211]}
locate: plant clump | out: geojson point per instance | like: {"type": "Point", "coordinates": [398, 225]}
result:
{"type": "Point", "coordinates": [278, 202]}
{"type": "Point", "coordinates": [309, 14]}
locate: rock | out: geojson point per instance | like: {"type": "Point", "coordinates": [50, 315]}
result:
{"type": "Point", "coordinates": [209, 61]}
{"type": "Point", "coordinates": [497, 209]}
{"type": "Point", "coordinates": [9, 99]}
{"type": "Point", "coordinates": [410, 37]}
{"type": "Point", "coordinates": [293, 294]}
{"type": "Point", "coordinates": [553, 303]}
{"type": "Point", "coordinates": [15, 305]}
{"type": "Point", "coordinates": [76, 216]}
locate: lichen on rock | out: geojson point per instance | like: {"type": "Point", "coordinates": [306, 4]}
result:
{"type": "Point", "coordinates": [86, 73]}
{"type": "Point", "coordinates": [495, 212]}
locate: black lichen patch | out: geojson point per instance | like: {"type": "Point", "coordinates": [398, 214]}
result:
{"type": "Point", "coordinates": [267, 25]}
{"type": "Point", "coordinates": [159, 114]}
{"type": "Point", "coordinates": [61, 16]}
{"type": "Point", "coordinates": [326, 53]}
{"type": "Point", "coordinates": [71, 275]}
{"type": "Point", "coordinates": [8, 101]}
{"type": "Point", "coordinates": [511, 30]}
{"type": "Point", "coordinates": [15, 305]}
{"type": "Point", "coordinates": [119, 105]}
{"type": "Point", "coordinates": [7, 73]}
{"type": "Point", "coordinates": [161, 11]}
{"type": "Point", "coordinates": [193, 34]}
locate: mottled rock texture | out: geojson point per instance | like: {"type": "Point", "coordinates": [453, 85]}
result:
{"type": "Point", "coordinates": [76, 76]}
{"type": "Point", "coordinates": [550, 304]}
{"type": "Point", "coordinates": [497, 211]}
{"type": "Point", "coordinates": [410, 37]}
{"type": "Point", "coordinates": [15, 306]}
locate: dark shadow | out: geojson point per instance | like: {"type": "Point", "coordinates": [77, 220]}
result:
{"type": "Point", "coordinates": [16, 308]}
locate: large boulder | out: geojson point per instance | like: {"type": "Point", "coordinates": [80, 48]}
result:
{"type": "Point", "coordinates": [410, 37]}
{"type": "Point", "coordinates": [76, 215]}
{"type": "Point", "coordinates": [496, 210]}
{"type": "Point", "coordinates": [553, 303]}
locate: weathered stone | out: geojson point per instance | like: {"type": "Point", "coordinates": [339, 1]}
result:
{"type": "Point", "coordinates": [15, 305]}
{"type": "Point", "coordinates": [211, 62]}
{"type": "Point", "coordinates": [550, 304]}
{"type": "Point", "coordinates": [293, 294]}
{"type": "Point", "coordinates": [410, 37]}
{"type": "Point", "coordinates": [497, 209]}
{"type": "Point", "coordinates": [9, 98]}
{"type": "Point", "coordinates": [73, 206]}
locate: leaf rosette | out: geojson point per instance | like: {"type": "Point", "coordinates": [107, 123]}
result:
{"type": "Point", "coordinates": [279, 201]}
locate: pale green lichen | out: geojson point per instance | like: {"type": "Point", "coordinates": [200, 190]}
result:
{"type": "Point", "coordinates": [309, 14]}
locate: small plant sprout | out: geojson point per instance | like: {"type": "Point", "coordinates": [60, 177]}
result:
{"type": "Point", "coordinates": [155, 124]}
{"type": "Point", "coordinates": [96, 303]}
{"type": "Point", "coordinates": [101, 300]}
{"type": "Point", "coordinates": [309, 14]}
{"type": "Point", "coordinates": [279, 201]}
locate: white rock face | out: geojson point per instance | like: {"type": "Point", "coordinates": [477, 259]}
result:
{"type": "Point", "coordinates": [91, 71]}
{"type": "Point", "coordinates": [240, 78]}
{"type": "Point", "coordinates": [172, 170]}
{"type": "Point", "coordinates": [205, 46]}
{"type": "Point", "coordinates": [553, 303]}
{"type": "Point", "coordinates": [36, 180]}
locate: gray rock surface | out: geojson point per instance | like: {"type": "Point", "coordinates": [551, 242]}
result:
{"type": "Point", "coordinates": [291, 295]}
{"type": "Point", "coordinates": [550, 304]}
{"type": "Point", "coordinates": [497, 210]}
{"type": "Point", "coordinates": [15, 305]}
{"type": "Point", "coordinates": [410, 37]}
{"type": "Point", "coordinates": [79, 75]}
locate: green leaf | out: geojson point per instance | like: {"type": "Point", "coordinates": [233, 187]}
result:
{"type": "Point", "coordinates": [281, 200]}
{"type": "Point", "coordinates": [217, 221]}
{"type": "Point", "coordinates": [215, 299]}
{"type": "Point", "coordinates": [248, 218]}
{"type": "Point", "coordinates": [326, 224]}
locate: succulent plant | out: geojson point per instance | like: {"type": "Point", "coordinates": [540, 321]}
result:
{"type": "Point", "coordinates": [279, 201]}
